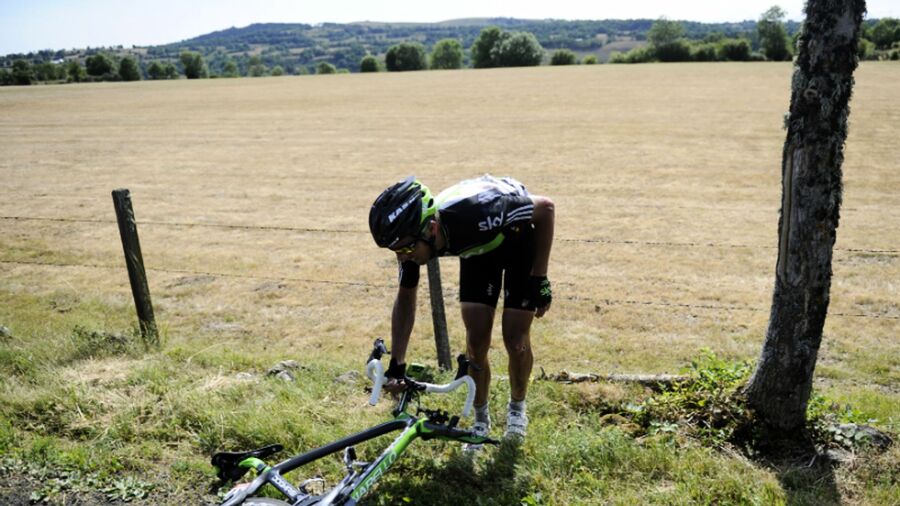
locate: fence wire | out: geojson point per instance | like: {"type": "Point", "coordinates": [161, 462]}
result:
{"type": "Point", "coordinates": [595, 302]}
{"type": "Point", "coordinates": [688, 244]}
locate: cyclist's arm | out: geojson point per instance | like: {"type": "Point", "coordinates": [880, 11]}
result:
{"type": "Point", "coordinates": [543, 219]}
{"type": "Point", "coordinates": [403, 317]}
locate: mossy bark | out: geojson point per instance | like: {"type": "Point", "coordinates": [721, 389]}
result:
{"type": "Point", "coordinates": [811, 199]}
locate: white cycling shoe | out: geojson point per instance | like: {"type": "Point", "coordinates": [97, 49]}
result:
{"type": "Point", "coordinates": [479, 429]}
{"type": "Point", "coordinates": [516, 425]}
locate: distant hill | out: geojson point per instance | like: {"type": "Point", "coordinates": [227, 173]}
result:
{"type": "Point", "coordinates": [297, 48]}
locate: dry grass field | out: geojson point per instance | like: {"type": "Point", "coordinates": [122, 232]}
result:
{"type": "Point", "coordinates": [251, 197]}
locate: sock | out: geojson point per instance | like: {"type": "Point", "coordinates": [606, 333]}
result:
{"type": "Point", "coordinates": [482, 414]}
{"type": "Point", "coordinates": [517, 405]}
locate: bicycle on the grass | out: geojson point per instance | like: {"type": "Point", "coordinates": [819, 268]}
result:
{"type": "Point", "coordinates": [360, 476]}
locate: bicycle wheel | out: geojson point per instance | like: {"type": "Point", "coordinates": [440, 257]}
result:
{"type": "Point", "coordinates": [263, 501]}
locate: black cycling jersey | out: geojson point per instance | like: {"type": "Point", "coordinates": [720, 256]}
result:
{"type": "Point", "coordinates": [476, 215]}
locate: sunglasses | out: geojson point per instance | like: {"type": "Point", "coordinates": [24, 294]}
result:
{"type": "Point", "coordinates": [408, 249]}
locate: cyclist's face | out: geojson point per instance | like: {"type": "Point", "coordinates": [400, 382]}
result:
{"type": "Point", "coordinates": [416, 250]}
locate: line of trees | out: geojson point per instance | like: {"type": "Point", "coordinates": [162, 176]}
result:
{"type": "Point", "coordinates": [98, 67]}
{"type": "Point", "coordinates": [667, 41]}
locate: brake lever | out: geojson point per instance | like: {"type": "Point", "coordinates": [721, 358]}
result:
{"type": "Point", "coordinates": [462, 366]}
{"type": "Point", "coordinates": [379, 349]}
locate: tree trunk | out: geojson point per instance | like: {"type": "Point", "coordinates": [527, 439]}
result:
{"type": "Point", "coordinates": [810, 209]}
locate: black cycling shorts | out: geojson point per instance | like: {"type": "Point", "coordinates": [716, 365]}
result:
{"type": "Point", "coordinates": [480, 276]}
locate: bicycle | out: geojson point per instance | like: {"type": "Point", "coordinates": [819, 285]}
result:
{"type": "Point", "coordinates": [361, 476]}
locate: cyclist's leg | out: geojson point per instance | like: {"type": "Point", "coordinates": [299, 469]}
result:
{"type": "Point", "coordinates": [479, 290]}
{"type": "Point", "coordinates": [517, 339]}
{"type": "Point", "coordinates": [478, 319]}
{"type": "Point", "coordinates": [518, 308]}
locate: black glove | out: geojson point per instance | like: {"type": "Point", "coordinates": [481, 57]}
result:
{"type": "Point", "coordinates": [395, 371]}
{"type": "Point", "coordinates": [541, 292]}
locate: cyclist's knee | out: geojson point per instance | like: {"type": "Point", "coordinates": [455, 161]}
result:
{"type": "Point", "coordinates": [517, 343]}
{"type": "Point", "coordinates": [478, 348]}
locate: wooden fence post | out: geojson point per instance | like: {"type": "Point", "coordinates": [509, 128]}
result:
{"type": "Point", "coordinates": [135, 262]}
{"type": "Point", "coordinates": [441, 339]}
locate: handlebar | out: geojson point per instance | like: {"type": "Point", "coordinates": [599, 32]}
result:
{"type": "Point", "coordinates": [375, 372]}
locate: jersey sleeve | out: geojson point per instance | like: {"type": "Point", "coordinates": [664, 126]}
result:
{"type": "Point", "coordinates": [409, 274]}
{"type": "Point", "coordinates": [516, 209]}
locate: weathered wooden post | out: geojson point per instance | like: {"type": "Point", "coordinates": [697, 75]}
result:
{"type": "Point", "coordinates": [441, 339]}
{"type": "Point", "coordinates": [135, 263]}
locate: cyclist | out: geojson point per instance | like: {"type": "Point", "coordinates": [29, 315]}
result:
{"type": "Point", "coordinates": [498, 230]}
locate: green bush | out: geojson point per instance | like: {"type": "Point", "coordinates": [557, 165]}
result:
{"type": "Point", "coordinates": [47, 71]}
{"type": "Point", "coordinates": [406, 56]}
{"type": "Point", "coordinates": [194, 66]}
{"type": "Point", "coordinates": [563, 57]}
{"type": "Point", "coordinates": [734, 50]}
{"type": "Point", "coordinates": [277, 70]}
{"type": "Point", "coordinates": [678, 50]}
{"type": "Point", "coordinates": [709, 399]}
{"type": "Point", "coordinates": [704, 52]}
{"type": "Point", "coordinates": [155, 71]}
{"type": "Point", "coordinates": [885, 33]}
{"type": "Point", "coordinates": [99, 65]}
{"type": "Point", "coordinates": [481, 49]}
{"type": "Point", "coordinates": [590, 59]}
{"type": "Point", "coordinates": [447, 55]}
{"type": "Point", "coordinates": [368, 64]}
{"type": "Point", "coordinates": [636, 55]}
{"type": "Point", "coordinates": [325, 68]}
{"type": "Point", "coordinates": [128, 69]}
{"type": "Point", "coordinates": [256, 67]}
{"type": "Point", "coordinates": [75, 73]}
{"type": "Point", "coordinates": [22, 73]}
{"type": "Point", "coordinates": [517, 49]}
{"type": "Point", "coordinates": [230, 69]}
{"type": "Point", "coordinates": [773, 38]}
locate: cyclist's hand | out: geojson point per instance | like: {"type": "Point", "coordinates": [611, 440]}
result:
{"type": "Point", "coordinates": [394, 385]}
{"type": "Point", "coordinates": [395, 376]}
{"type": "Point", "coordinates": [542, 294]}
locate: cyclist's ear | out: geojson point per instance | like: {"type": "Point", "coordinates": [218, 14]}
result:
{"type": "Point", "coordinates": [431, 229]}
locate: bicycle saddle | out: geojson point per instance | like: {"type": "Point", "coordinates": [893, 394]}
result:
{"type": "Point", "coordinates": [227, 462]}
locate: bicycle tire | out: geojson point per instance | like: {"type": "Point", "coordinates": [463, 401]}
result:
{"type": "Point", "coordinates": [263, 501]}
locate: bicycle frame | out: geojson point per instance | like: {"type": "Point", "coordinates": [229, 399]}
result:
{"type": "Point", "coordinates": [358, 482]}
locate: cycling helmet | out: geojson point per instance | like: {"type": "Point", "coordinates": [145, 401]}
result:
{"type": "Point", "coordinates": [401, 211]}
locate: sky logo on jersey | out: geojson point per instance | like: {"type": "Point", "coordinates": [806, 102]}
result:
{"type": "Point", "coordinates": [490, 223]}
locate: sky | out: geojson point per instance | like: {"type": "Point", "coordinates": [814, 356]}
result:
{"type": "Point", "coordinates": [31, 25]}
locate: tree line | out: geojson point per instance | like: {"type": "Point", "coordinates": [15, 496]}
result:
{"type": "Point", "coordinates": [666, 41]}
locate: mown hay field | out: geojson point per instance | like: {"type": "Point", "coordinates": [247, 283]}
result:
{"type": "Point", "coordinates": [252, 195]}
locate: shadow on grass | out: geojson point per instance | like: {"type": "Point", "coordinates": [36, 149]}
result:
{"type": "Point", "coordinates": [806, 475]}
{"type": "Point", "coordinates": [486, 477]}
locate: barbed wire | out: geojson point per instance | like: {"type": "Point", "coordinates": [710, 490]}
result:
{"type": "Point", "coordinates": [202, 273]}
{"type": "Point", "coordinates": [687, 244]}
{"type": "Point", "coordinates": [187, 225]}
{"type": "Point", "coordinates": [596, 302]}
